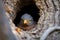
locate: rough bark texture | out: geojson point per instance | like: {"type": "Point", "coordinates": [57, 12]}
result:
{"type": "Point", "coordinates": [49, 17]}
{"type": "Point", "coordinates": [5, 30]}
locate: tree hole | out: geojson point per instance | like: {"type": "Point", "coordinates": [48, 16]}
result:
{"type": "Point", "coordinates": [30, 9]}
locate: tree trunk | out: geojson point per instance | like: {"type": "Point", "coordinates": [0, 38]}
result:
{"type": "Point", "coordinates": [5, 30]}
{"type": "Point", "coordinates": [48, 26]}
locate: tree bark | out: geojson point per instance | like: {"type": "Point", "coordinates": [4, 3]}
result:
{"type": "Point", "coordinates": [5, 30]}
{"type": "Point", "coordinates": [49, 17]}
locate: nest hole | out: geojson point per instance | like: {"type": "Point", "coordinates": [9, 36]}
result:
{"type": "Point", "coordinates": [31, 9]}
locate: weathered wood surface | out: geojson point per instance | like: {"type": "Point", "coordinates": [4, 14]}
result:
{"type": "Point", "coordinates": [50, 10]}
{"type": "Point", "coordinates": [5, 30]}
{"type": "Point", "coordinates": [50, 17]}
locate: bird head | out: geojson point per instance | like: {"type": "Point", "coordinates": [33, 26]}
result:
{"type": "Point", "coordinates": [26, 19]}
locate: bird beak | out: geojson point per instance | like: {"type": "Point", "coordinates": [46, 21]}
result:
{"type": "Point", "coordinates": [25, 22]}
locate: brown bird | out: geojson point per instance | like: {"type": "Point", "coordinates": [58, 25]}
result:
{"type": "Point", "coordinates": [26, 22]}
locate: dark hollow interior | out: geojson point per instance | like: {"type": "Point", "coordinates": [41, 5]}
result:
{"type": "Point", "coordinates": [31, 9]}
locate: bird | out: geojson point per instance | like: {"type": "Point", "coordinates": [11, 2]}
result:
{"type": "Point", "coordinates": [26, 22]}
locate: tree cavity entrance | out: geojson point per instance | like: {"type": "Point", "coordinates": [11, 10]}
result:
{"type": "Point", "coordinates": [30, 9]}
